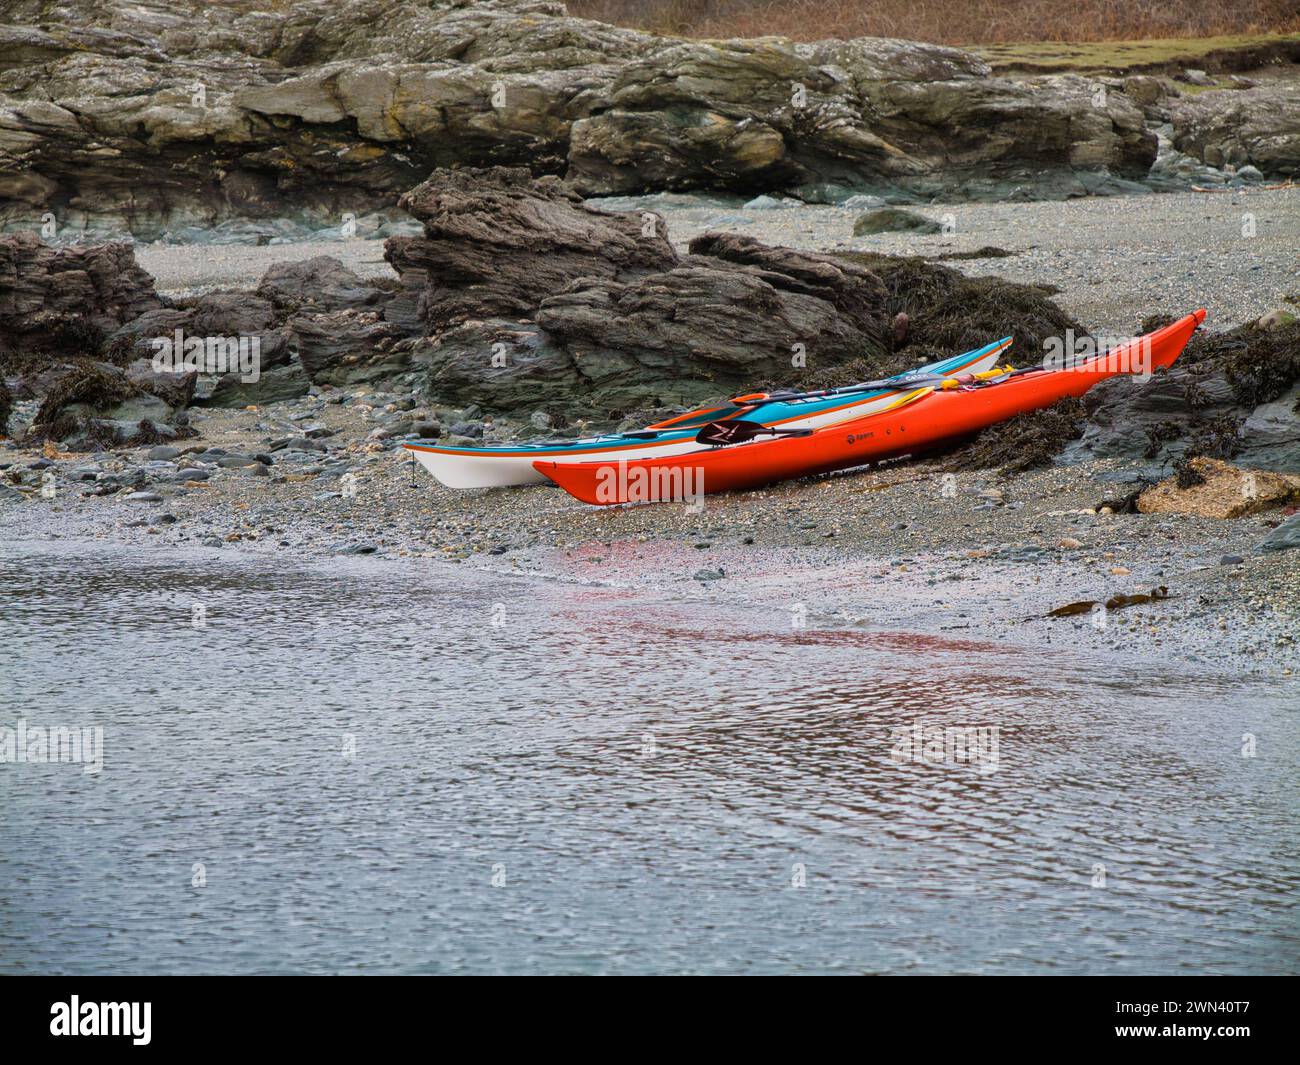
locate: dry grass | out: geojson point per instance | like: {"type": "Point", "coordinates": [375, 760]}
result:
{"type": "Point", "coordinates": [946, 21]}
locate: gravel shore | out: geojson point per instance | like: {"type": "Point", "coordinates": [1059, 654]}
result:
{"type": "Point", "coordinates": [1116, 259]}
{"type": "Point", "coordinates": [900, 549]}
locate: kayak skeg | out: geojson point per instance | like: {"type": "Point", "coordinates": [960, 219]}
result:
{"type": "Point", "coordinates": [513, 464]}
{"type": "Point", "coordinates": [917, 420]}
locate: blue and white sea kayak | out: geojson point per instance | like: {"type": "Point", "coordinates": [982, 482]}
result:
{"type": "Point", "coordinates": [512, 464]}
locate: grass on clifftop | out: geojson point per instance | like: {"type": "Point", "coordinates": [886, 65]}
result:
{"type": "Point", "coordinates": [1234, 52]}
{"type": "Point", "coordinates": [971, 22]}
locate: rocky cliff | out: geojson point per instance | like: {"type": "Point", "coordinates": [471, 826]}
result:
{"type": "Point", "coordinates": [148, 116]}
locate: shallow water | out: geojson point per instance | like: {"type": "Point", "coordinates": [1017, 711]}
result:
{"type": "Point", "coordinates": [376, 777]}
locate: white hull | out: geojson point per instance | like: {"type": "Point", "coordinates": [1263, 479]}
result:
{"type": "Point", "coordinates": [503, 471]}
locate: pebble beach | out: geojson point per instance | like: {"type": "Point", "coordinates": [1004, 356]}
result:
{"type": "Point", "coordinates": [908, 548]}
{"type": "Point", "coordinates": [984, 555]}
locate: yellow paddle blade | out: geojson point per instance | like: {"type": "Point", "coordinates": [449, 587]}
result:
{"type": "Point", "coordinates": [911, 397]}
{"type": "Point", "coordinates": [894, 404]}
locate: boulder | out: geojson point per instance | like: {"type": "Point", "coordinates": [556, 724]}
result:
{"type": "Point", "coordinates": [1270, 435]}
{"type": "Point", "coordinates": [504, 365]}
{"type": "Point", "coordinates": [893, 220]}
{"type": "Point", "coordinates": [852, 289]}
{"type": "Point", "coordinates": [1285, 537]}
{"type": "Point", "coordinates": [694, 331]}
{"type": "Point", "coordinates": [1132, 418]}
{"type": "Point", "coordinates": [1259, 126]}
{"type": "Point", "coordinates": [320, 284]}
{"type": "Point", "coordinates": [63, 302]}
{"type": "Point", "coordinates": [226, 315]}
{"type": "Point", "coordinates": [348, 347]}
{"type": "Point", "coordinates": [272, 386]}
{"type": "Point", "coordinates": [1278, 318]}
{"type": "Point", "coordinates": [497, 242]}
{"type": "Point", "coordinates": [1150, 93]}
{"type": "Point", "coordinates": [1208, 488]}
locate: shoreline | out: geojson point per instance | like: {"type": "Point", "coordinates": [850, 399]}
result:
{"type": "Point", "coordinates": [274, 475]}
{"type": "Point", "coordinates": [862, 549]}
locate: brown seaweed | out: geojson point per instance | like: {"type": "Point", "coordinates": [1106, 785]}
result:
{"type": "Point", "coordinates": [1115, 602]}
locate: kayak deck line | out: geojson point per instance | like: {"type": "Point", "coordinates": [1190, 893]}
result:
{"type": "Point", "coordinates": [980, 355]}
{"type": "Point", "coordinates": [609, 442]}
{"type": "Point", "coordinates": [505, 465]}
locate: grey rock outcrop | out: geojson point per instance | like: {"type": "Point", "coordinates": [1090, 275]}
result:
{"type": "Point", "coordinates": [853, 290]}
{"type": "Point", "coordinates": [1286, 537]}
{"type": "Point", "coordinates": [338, 325]}
{"type": "Point", "coordinates": [100, 286]}
{"type": "Point", "coordinates": [1270, 435]}
{"type": "Point", "coordinates": [321, 284]}
{"type": "Point", "coordinates": [1230, 396]}
{"type": "Point", "coordinates": [348, 347]}
{"type": "Point", "coordinates": [531, 297]}
{"type": "Point", "coordinates": [117, 115]}
{"type": "Point", "coordinates": [1258, 126]}
{"type": "Point", "coordinates": [497, 243]}
{"type": "Point", "coordinates": [693, 332]}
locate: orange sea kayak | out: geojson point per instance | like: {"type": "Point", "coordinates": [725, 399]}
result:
{"type": "Point", "coordinates": [922, 419]}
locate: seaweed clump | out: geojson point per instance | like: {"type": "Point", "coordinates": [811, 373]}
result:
{"type": "Point", "coordinates": [50, 338]}
{"type": "Point", "coordinates": [53, 335]}
{"type": "Point", "coordinates": [939, 312]}
{"type": "Point", "coordinates": [1215, 438]}
{"type": "Point", "coordinates": [988, 251]}
{"type": "Point", "coordinates": [1159, 435]}
{"type": "Point", "coordinates": [147, 434]}
{"type": "Point", "coordinates": [1187, 475]}
{"type": "Point", "coordinates": [1025, 442]}
{"type": "Point", "coordinates": [943, 312]}
{"type": "Point", "coordinates": [1260, 364]}
{"type": "Point", "coordinates": [97, 386]}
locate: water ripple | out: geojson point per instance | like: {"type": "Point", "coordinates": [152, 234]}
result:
{"type": "Point", "coordinates": [420, 768]}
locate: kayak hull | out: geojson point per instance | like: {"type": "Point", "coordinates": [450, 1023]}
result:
{"type": "Point", "coordinates": [930, 419]}
{"type": "Point", "coordinates": [507, 466]}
